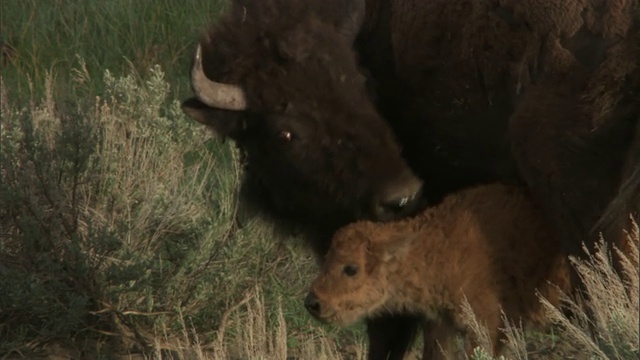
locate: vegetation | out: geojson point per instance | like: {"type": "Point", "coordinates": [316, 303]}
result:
{"type": "Point", "coordinates": [613, 303]}
{"type": "Point", "coordinates": [46, 37]}
{"type": "Point", "coordinates": [120, 219]}
{"type": "Point", "coordinates": [119, 227]}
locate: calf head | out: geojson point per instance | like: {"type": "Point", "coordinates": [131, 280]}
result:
{"type": "Point", "coordinates": [289, 92]}
{"type": "Point", "coordinates": [358, 276]}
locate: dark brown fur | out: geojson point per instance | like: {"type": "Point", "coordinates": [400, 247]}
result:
{"type": "Point", "coordinates": [488, 244]}
{"type": "Point", "coordinates": [301, 76]}
{"type": "Point", "coordinates": [541, 93]}
{"type": "Point", "coordinates": [522, 90]}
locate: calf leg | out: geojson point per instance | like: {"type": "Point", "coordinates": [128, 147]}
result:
{"type": "Point", "coordinates": [391, 336]}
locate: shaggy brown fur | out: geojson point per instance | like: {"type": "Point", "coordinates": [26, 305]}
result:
{"type": "Point", "coordinates": [345, 107]}
{"type": "Point", "coordinates": [552, 85]}
{"type": "Point", "coordinates": [340, 159]}
{"type": "Point", "coordinates": [488, 244]}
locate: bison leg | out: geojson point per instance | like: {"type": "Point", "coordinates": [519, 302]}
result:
{"type": "Point", "coordinates": [616, 220]}
{"type": "Point", "coordinates": [391, 336]}
{"type": "Point", "coordinates": [572, 168]}
{"type": "Point", "coordinates": [439, 340]}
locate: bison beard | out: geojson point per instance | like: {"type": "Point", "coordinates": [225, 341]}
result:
{"type": "Point", "coordinates": [538, 93]}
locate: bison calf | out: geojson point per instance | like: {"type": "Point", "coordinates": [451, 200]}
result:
{"type": "Point", "coordinates": [488, 244]}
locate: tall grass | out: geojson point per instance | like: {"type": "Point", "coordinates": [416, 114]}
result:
{"type": "Point", "coordinates": [606, 326]}
{"type": "Point", "coordinates": [612, 331]}
{"type": "Point", "coordinates": [45, 36]}
{"type": "Point", "coordinates": [256, 338]}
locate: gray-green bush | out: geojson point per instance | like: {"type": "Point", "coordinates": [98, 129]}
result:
{"type": "Point", "coordinates": [120, 218]}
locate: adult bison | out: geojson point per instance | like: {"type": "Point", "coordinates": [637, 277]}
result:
{"type": "Point", "coordinates": [353, 109]}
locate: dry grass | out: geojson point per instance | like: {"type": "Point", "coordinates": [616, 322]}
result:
{"type": "Point", "coordinates": [611, 332]}
{"type": "Point", "coordinates": [604, 327]}
{"type": "Point", "coordinates": [253, 338]}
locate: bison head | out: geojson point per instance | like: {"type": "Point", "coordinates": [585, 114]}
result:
{"type": "Point", "coordinates": [289, 92]}
{"type": "Point", "coordinates": [357, 277]}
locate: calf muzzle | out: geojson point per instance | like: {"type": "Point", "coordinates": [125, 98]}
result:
{"type": "Point", "coordinates": [312, 304]}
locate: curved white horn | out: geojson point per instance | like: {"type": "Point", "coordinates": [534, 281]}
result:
{"type": "Point", "coordinates": [215, 94]}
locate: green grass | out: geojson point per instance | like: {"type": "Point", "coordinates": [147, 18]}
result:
{"type": "Point", "coordinates": [48, 35]}
{"type": "Point", "coordinates": [118, 215]}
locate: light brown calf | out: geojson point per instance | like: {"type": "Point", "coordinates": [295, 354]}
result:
{"type": "Point", "coordinates": [488, 244]}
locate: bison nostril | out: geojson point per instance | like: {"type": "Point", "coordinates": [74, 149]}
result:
{"type": "Point", "coordinates": [398, 197]}
{"type": "Point", "coordinates": [398, 205]}
{"type": "Point", "coordinates": [312, 304]}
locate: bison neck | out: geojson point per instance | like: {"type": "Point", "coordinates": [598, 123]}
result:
{"type": "Point", "coordinates": [451, 121]}
{"type": "Point", "coordinates": [315, 223]}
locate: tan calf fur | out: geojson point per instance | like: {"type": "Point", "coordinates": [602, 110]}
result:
{"type": "Point", "coordinates": [487, 243]}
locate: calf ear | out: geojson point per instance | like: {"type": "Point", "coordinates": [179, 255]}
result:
{"type": "Point", "coordinates": [397, 246]}
{"type": "Point", "coordinates": [223, 122]}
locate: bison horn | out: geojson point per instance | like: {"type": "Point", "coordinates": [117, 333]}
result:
{"type": "Point", "coordinates": [350, 25]}
{"type": "Point", "coordinates": [215, 94]}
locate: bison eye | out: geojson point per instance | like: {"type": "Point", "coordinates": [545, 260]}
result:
{"type": "Point", "coordinates": [350, 270]}
{"type": "Point", "coordinates": [285, 135]}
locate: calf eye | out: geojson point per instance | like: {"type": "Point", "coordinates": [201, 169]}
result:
{"type": "Point", "coordinates": [350, 270]}
{"type": "Point", "coordinates": [285, 135]}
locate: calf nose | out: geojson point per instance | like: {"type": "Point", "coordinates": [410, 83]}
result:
{"type": "Point", "coordinates": [312, 304]}
{"type": "Point", "coordinates": [399, 198]}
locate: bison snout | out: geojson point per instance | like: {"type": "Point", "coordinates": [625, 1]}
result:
{"type": "Point", "coordinates": [312, 304]}
{"type": "Point", "coordinates": [399, 199]}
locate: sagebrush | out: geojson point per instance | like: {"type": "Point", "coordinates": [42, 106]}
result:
{"type": "Point", "coordinates": [120, 218]}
